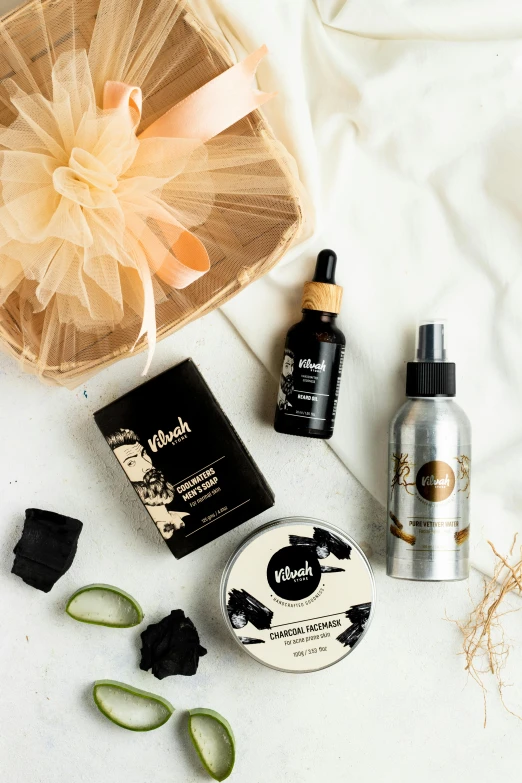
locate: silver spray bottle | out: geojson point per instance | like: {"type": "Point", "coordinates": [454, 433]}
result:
{"type": "Point", "coordinates": [429, 470]}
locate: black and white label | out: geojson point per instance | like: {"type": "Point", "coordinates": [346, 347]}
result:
{"type": "Point", "coordinates": [299, 595]}
{"type": "Point", "coordinates": [294, 573]}
{"type": "Point", "coordinates": [310, 381]}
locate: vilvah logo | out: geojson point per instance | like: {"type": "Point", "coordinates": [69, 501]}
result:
{"type": "Point", "coordinates": [294, 572]}
{"type": "Point", "coordinates": [164, 438]}
{"type": "Point", "coordinates": [286, 574]}
{"type": "Point", "coordinates": [308, 364]}
{"type": "Point", "coordinates": [435, 481]}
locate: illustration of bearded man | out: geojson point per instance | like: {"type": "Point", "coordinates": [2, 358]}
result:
{"type": "Point", "coordinates": [154, 490]}
{"type": "Point", "coordinates": [286, 386]}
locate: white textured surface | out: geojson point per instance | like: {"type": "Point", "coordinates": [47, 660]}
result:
{"type": "Point", "coordinates": [399, 709]}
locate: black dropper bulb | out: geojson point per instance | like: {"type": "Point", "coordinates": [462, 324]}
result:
{"type": "Point", "coordinates": [325, 267]}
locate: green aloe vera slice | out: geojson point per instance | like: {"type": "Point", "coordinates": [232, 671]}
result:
{"type": "Point", "coordinates": [104, 605]}
{"type": "Point", "coordinates": [129, 707]}
{"type": "Point", "coordinates": [214, 741]}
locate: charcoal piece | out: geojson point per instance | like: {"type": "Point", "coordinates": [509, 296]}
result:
{"type": "Point", "coordinates": [241, 602]}
{"type": "Point", "coordinates": [351, 635]}
{"type": "Point", "coordinates": [250, 640]}
{"type": "Point", "coordinates": [359, 613]}
{"type": "Point", "coordinates": [46, 549]}
{"type": "Point", "coordinates": [171, 646]}
{"type": "Point", "coordinates": [331, 569]}
{"type": "Point", "coordinates": [333, 543]}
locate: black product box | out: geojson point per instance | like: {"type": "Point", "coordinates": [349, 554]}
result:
{"type": "Point", "coordinates": [183, 457]}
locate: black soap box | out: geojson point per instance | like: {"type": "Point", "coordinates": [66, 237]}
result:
{"type": "Point", "coordinates": [183, 457]}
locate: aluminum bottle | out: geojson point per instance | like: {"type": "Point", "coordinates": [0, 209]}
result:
{"type": "Point", "coordinates": [429, 470]}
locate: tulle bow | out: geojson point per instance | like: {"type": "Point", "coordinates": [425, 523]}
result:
{"type": "Point", "coordinates": [83, 209]}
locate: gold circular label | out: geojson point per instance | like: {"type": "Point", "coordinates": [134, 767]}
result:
{"type": "Point", "coordinates": [435, 481]}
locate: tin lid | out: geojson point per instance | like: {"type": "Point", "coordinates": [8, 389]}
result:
{"type": "Point", "coordinates": [298, 594]}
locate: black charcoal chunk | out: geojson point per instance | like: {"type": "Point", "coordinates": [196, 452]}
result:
{"type": "Point", "coordinates": [332, 543]}
{"type": "Point", "coordinates": [250, 640]}
{"type": "Point", "coordinates": [47, 548]}
{"type": "Point", "coordinates": [242, 603]}
{"type": "Point", "coordinates": [330, 569]}
{"type": "Point", "coordinates": [171, 646]}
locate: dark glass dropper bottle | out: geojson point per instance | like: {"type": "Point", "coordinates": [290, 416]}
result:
{"type": "Point", "coordinates": [313, 360]}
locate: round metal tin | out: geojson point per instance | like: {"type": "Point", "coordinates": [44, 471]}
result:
{"type": "Point", "coordinates": [298, 594]}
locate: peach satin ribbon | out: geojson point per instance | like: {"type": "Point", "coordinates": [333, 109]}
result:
{"type": "Point", "coordinates": [200, 116]}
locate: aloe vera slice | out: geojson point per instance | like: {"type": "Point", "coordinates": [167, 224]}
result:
{"type": "Point", "coordinates": [129, 707]}
{"type": "Point", "coordinates": [214, 741]}
{"type": "Point", "coordinates": [104, 605]}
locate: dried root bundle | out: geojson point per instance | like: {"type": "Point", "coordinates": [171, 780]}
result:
{"type": "Point", "coordinates": [462, 535]}
{"type": "Point", "coordinates": [397, 530]}
{"type": "Point", "coordinates": [485, 645]}
{"type": "Point", "coordinates": [401, 473]}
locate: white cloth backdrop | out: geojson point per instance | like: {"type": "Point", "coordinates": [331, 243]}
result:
{"type": "Point", "coordinates": [405, 118]}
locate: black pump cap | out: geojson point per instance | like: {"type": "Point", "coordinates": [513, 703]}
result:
{"type": "Point", "coordinates": [325, 267]}
{"type": "Point", "coordinates": [430, 379]}
{"type": "Point", "coordinates": [431, 375]}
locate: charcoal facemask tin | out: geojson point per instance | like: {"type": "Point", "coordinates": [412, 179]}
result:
{"type": "Point", "coordinates": [298, 595]}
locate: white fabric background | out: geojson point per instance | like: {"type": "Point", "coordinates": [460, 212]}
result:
{"type": "Point", "coordinates": [398, 709]}
{"type": "Point", "coordinates": [405, 118]}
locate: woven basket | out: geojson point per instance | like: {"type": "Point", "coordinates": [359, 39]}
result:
{"type": "Point", "coordinates": [258, 251]}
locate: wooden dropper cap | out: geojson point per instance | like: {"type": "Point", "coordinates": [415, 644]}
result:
{"type": "Point", "coordinates": [322, 293]}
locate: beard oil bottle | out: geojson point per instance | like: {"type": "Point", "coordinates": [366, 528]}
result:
{"type": "Point", "coordinates": [429, 470]}
{"type": "Point", "coordinates": [313, 358]}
